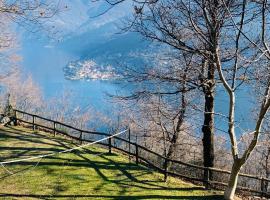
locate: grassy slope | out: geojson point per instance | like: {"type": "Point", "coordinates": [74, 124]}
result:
{"type": "Point", "coordinates": [84, 174]}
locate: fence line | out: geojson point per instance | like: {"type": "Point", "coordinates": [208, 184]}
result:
{"type": "Point", "coordinates": [141, 154]}
{"type": "Point", "coordinates": [61, 152]}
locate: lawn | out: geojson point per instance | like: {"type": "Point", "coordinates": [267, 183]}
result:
{"type": "Point", "coordinates": [89, 173]}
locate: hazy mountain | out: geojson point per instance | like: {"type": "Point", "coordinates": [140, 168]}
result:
{"type": "Point", "coordinates": [87, 37]}
{"type": "Point", "coordinates": [96, 38]}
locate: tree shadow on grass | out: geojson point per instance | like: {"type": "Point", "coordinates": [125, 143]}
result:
{"type": "Point", "coordinates": [115, 197]}
{"type": "Point", "coordinates": [34, 136]}
{"type": "Point", "coordinates": [9, 135]}
{"type": "Point", "coordinates": [125, 175]}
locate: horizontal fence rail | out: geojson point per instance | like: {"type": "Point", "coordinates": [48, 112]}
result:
{"type": "Point", "coordinates": [140, 154]}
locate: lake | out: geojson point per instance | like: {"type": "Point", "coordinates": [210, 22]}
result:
{"type": "Point", "coordinates": [45, 63]}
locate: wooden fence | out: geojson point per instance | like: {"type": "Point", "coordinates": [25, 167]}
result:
{"type": "Point", "coordinates": [140, 154]}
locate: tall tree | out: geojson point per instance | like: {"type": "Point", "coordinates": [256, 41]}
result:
{"type": "Point", "coordinates": [163, 102]}
{"type": "Point", "coordinates": [193, 28]}
{"type": "Point", "coordinates": [220, 37]}
{"type": "Point", "coordinates": [250, 56]}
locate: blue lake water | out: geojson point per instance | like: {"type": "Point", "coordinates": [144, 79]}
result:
{"type": "Point", "coordinates": [45, 64]}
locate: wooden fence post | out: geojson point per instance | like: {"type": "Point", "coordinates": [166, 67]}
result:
{"type": "Point", "coordinates": [165, 169]}
{"type": "Point", "coordinates": [137, 153]}
{"type": "Point", "coordinates": [206, 178]}
{"type": "Point", "coordinates": [263, 187]}
{"type": "Point", "coordinates": [54, 128]}
{"type": "Point", "coordinates": [81, 137]}
{"type": "Point", "coordinates": [15, 118]}
{"type": "Point", "coordinates": [33, 121]}
{"type": "Point", "coordinates": [129, 156]}
{"type": "Point", "coordinates": [110, 145]}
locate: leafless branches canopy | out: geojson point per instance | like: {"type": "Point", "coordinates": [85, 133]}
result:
{"type": "Point", "coordinates": [227, 42]}
{"type": "Point", "coordinates": [207, 42]}
{"type": "Point", "coordinates": [31, 14]}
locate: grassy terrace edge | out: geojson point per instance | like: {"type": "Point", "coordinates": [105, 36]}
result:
{"type": "Point", "coordinates": [88, 173]}
{"type": "Point", "coordinates": [196, 173]}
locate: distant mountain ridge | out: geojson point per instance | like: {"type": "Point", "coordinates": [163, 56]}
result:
{"type": "Point", "coordinates": [89, 38]}
{"type": "Point", "coordinates": [97, 40]}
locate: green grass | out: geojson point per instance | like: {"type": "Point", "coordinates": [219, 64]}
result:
{"type": "Point", "coordinates": [91, 173]}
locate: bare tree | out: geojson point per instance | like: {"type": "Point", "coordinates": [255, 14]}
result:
{"type": "Point", "coordinates": [62, 108]}
{"type": "Point", "coordinates": [239, 161]}
{"type": "Point", "coordinates": [231, 81]}
{"type": "Point", "coordinates": [33, 15]}
{"type": "Point", "coordinates": [262, 153]}
{"type": "Point", "coordinates": [160, 110]}
{"type": "Point", "coordinates": [220, 37]}
{"type": "Point", "coordinates": [193, 28]}
{"type": "Point", "coordinates": [8, 44]}
{"type": "Point", "coordinates": [25, 93]}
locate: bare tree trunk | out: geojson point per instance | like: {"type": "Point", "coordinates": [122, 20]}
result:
{"type": "Point", "coordinates": [172, 148]}
{"type": "Point", "coordinates": [230, 190]}
{"type": "Point", "coordinates": [267, 170]}
{"type": "Point", "coordinates": [208, 131]}
{"type": "Point", "coordinates": [180, 122]}
{"type": "Point", "coordinates": [208, 126]}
